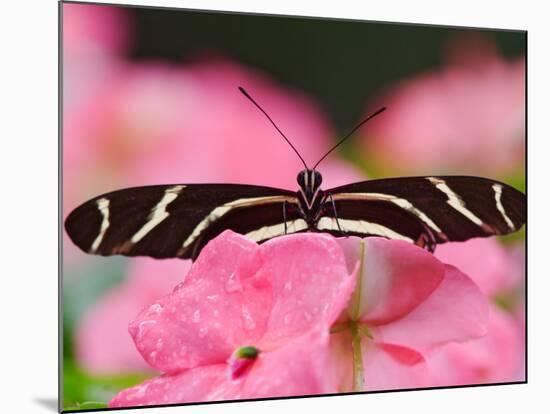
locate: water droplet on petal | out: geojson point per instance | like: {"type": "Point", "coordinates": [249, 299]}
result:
{"type": "Point", "coordinates": [140, 391]}
{"type": "Point", "coordinates": [203, 331]}
{"type": "Point", "coordinates": [197, 316]}
{"type": "Point", "coordinates": [249, 323]}
{"type": "Point", "coordinates": [156, 308]}
{"type": "Point", "coordinates": [141, 328]}
{"type": "Point", "coordinates": [233, 283]}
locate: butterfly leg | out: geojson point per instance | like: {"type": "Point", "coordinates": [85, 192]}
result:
{"type": "Point", "coordinates": [427, 240]}
{"type": "Point", "coordinates": [329, 196]}
{"type": "Point", "coordinates": [284, 213]}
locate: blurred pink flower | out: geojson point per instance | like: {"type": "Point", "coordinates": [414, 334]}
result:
{"type": "Point", "coordinates": [90, 29]}
{"type": "Point", "coordinates": [467, 118]}
{"type": "Point", "coordinates": [500, 355]}
{"type": "Point", "coordinates": [492, 359]}
{"type": "Point", "coordinates": [160, 124]}
{"type": "Point", "coordinates": [282, 299]}
{"type": "Point", "coordinates": [486, 261]}
{"type": "Point", "coordinates": [102, 342]}
{"type": "Point", "coordinates": [95, 37]}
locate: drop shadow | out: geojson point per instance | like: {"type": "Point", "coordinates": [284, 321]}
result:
{"type": "Point", "coordinates": [49, 403]}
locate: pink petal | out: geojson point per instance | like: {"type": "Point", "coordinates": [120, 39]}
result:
{"type": "Point", "coordinates": [385, 365]}
{"type": "Point", "coordinates": [310, 280]}
{"type": "Point", "coordinates": [395, 278]}
{"type": "Point", "coordinates": [484, 260]}
{"type": "Point", "coordinates": [401, 354]}
{"type": "Point", "coordinates": [496, 357]}
{"type": "Point", "coordinates": [221, 305]}
{"type": "Point", "coordinates": [455, 311]}
{"type": "Point", "coordinates": [341, 360]}
{"type": "Point", "coordinates": [239, 293]}
{"type": "Point", "coordinates": [390, 366]}
{"type": "Point", "coordinates": [300, 367]}
{"type": "Point", "coordinates": [208, 383]}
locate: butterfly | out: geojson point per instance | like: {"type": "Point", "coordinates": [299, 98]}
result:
{"type": "Point", "coordinates": [178, 220]}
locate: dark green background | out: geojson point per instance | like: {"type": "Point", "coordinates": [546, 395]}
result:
{"type": "Point", "coordinates": [341, 63]}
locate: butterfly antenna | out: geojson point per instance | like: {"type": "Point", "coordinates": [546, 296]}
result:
{"type": "Point", "coordinates": [271, 120]}
{"type": "Point", "coordinates": [349, 134]}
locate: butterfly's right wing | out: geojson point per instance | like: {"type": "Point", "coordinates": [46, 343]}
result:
{"type": "Point", "coordinates": [426, 210]}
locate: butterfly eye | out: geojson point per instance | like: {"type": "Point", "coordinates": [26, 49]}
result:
{"type": "Point", "coordinates": [301, 178]}
{"type": "Point", "coordinates": [318, 179]}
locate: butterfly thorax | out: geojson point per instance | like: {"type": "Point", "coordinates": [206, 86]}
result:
{"type": "Point", "coordinates": [310, 195]}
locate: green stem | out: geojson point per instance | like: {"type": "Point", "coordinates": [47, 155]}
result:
{"type": "Point", "coordinates": [359, 286]}
{"type": "Point", "coordinates": [358, 373]}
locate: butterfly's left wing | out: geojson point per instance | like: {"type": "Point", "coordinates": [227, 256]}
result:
{"type": "Point", "coordinates": [426, 210]}
{"type": "Point", "coordinates": [178, 220]}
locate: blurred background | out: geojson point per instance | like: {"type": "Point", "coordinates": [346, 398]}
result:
{"type": "Point", "coordinates": [150, 97]}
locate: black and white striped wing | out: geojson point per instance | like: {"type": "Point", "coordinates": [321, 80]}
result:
{"type": "Point", "coordinates": [447, 208]}
{"type": "Point", "coordinates": [178, 220]}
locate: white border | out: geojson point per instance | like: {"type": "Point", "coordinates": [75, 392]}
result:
{"type": "Point", "coordinates": [28, 338]}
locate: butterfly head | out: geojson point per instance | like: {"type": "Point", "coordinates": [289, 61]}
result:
{"type": "Point", "coordinates": [309, 181]}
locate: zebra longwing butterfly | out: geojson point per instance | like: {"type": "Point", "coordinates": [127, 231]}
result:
{"type": "Point", "coordinates": [166, 221]}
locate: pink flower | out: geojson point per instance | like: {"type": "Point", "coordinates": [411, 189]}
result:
{"type": "Point", "coordinates": [467, 118]}
{"type": "Point", "coordinates": [280, 319]}
{"type": "Point", "coordinates": [486, 261]}
{"type": "Point", "coordinates": [102, 342]}
{"type": "Point", "coordinates": [238, 294]}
